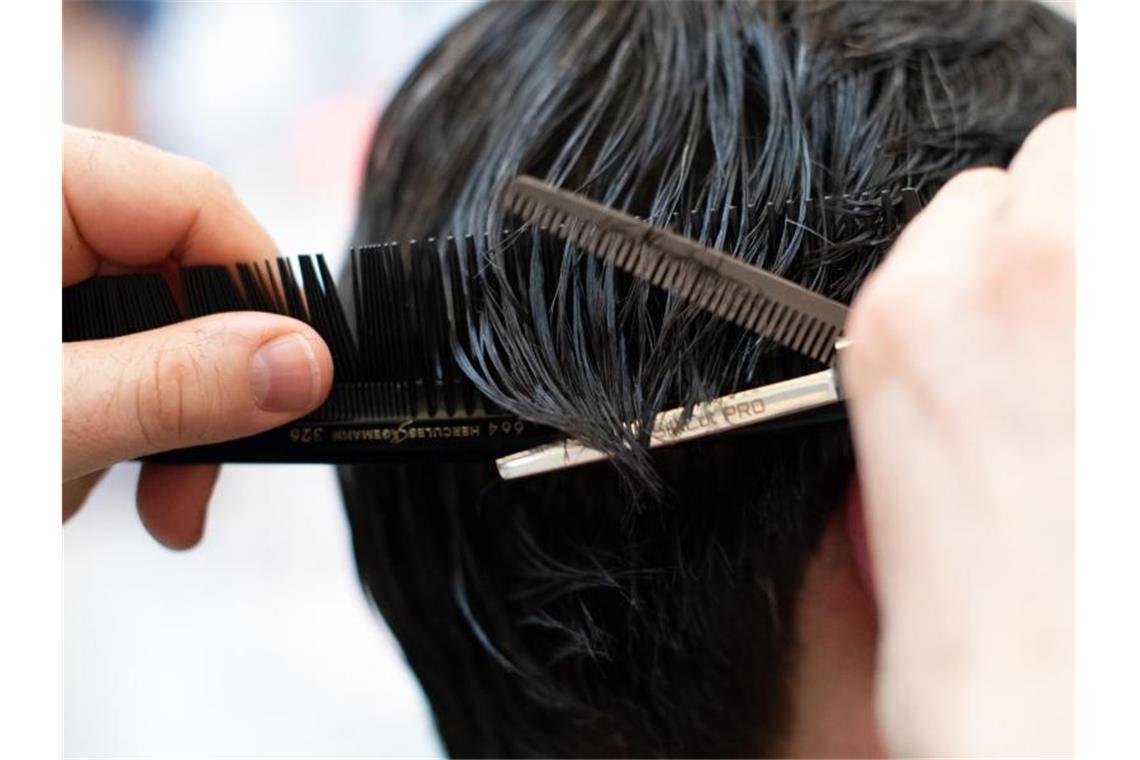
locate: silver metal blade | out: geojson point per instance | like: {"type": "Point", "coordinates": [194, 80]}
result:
{"type": "Point", "coordinates": [759, 301]}
{"type": "Point", "coordinates": [732, 412]}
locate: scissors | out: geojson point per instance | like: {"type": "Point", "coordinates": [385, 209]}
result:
{"type": "Point", "coordinates": [759, 301]}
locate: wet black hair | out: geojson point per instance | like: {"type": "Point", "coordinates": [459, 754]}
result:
{"type": "Point", "coordinates": [575, 614]}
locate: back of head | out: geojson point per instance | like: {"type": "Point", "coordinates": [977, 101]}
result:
{"type": "Point", "coordinates": [559, 615]}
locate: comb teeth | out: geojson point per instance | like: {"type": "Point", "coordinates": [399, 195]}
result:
{"type": "Point", "coordinates": [892, 209]}
{"type": "Point", "coordinates": [106, 307]}
{"type": "Point", "coordinates": [399, 364]}
{"type": "Point", "coordinates": [631, 246]}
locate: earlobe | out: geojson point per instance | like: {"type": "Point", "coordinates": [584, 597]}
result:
{"type": "Point", "coordinates": [857, 534]}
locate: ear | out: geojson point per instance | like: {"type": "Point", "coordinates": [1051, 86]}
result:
{"type": "Point", "coordinates": [857, 534]}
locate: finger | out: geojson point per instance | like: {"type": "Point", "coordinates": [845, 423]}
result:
{"type": "Point", "coordinates": [945, 232]}
{"type": "Point", "coordinates": [172, 501]}
{"type": "Point", "coordinates": [1044, 175]}
{"type": "Point", "coordinates": [959, 210]}
{"type": "Point", "coordinates": [196, 382]}
{"type": "Point", "coordinates": [1048, 151]}
{"type": "Point", "coordinates": [76, 491]}
{"type": "Point", "coordinates": [132, 204]}
{"type": "Point", "coordinates": [894, 308]}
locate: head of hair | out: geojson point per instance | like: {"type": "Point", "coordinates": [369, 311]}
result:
{"type": "Point", "coordinates": [647, 610]}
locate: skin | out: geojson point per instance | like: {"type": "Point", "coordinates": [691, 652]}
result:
{"type": "Point", "coordinates": [946, 631]}
{"type": "Point", "coordinates": [937, 617]}
{"type": "Point", "coordinates": [961, 381]}
{"type": "Point", "coordinates": [833, 673]}
{"type": "Point", "coordinates": [128, 206]}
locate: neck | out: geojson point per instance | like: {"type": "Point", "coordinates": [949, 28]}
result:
{"type": "Point", "coordinates": [834, 671]}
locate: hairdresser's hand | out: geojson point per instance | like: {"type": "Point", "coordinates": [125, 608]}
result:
{"type": "Point", "coordinates": [128, 205]}
{"type": "Point", "coordinates": [961, 380]}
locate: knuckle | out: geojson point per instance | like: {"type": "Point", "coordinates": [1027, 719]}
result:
{"type": "Point", "coordinates": [1042, 221]}
{"type": "Point", "coordinates": [169, 406]}
{"type": "Point", "coordinates": [1057, 127]}
{"type": "Point", "coordinates": [887, 304]}
{"type": "Point", "coordinates": [213, 181]}
{"type": "Point", "coordinates": [971, 197]}
{"type": "Point", "coordinates": [866, 316]}
{"type": "Point", "coordinates": [1027, 263]}
{"type": "Point", "coordinates": [882, 321]}
{"type": "Point", "coordinates": [1034, 240]}
{"type": "Point", "coordinates": [979, 183]}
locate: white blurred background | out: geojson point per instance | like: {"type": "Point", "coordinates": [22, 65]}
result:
{"type": "Point", "coordinates": [259, 642]}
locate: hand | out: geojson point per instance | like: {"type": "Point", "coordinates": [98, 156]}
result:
{"type": "Point", "coordinates": [127, 205]}
{"type": "Point", "coordinates": [961, 382]}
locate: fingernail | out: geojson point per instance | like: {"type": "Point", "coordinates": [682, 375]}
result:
{"type": "Point", "coordinates": [284, 375]}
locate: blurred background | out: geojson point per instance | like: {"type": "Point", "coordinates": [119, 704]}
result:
{"type": "Point", "coordinates": [259, 642]}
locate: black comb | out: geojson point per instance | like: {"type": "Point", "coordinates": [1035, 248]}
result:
{"type": "Point", "coordinates": [398, 392]}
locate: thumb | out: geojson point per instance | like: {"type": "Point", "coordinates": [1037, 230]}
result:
{"type": "Point", "coordinates": [196, 382]}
